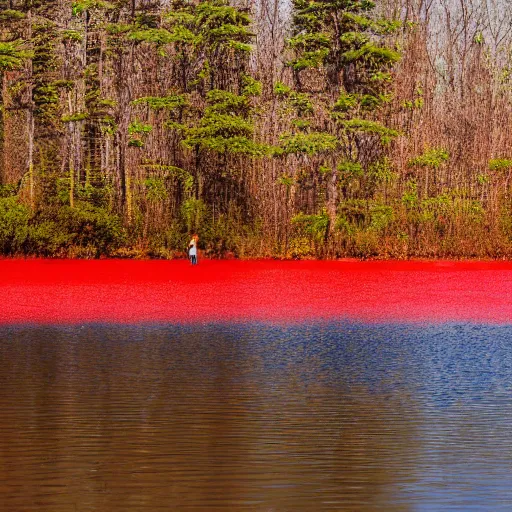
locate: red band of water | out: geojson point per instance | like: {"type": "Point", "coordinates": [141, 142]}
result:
{"type": "Point", "coordinates": [75, 291]}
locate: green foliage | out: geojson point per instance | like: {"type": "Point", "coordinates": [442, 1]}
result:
{"type": "Point", "coordinates": [11, 15]}
{"type": "Point", "coordinates": [211, 33]}
{"type": "Point", "coordinates": [182, 20]}
{"type": "Point", "coordinates": [71, 35]}
{"type": "Point", "coordinates": [55, 230]}
{"type": "Point", "coordinates": [173, 125]}
{"type": "Point", "coordinates": [371, 127]}
{"type": "Point", "coordinates": [483, 179]}
{"type": "Point", "coordinates": [363, 224]}
{"type": "Point", "coordinates": [45, 38]}
{"type": "Point", "coordinates": [155, 189]}
{"type": "Point", "coordinates": [479, 38]}
{"type": "Point", "coordinates": [300, 246]}
{"type": "Point", "coordinates": [74, 118]}
{"type": "Point", "coordinates": [346, 102]}
{"type": "Point", "coordinates": [309, 143]}
{"type": "Point", "coordinates": [349, 43]}
{"type": "Point", "coordinates": [299, 101]}
{"type": "Point", "coordinates": [227, 102]}
{"type": "Point", "coordinates": [233, 145]}
{"type": "Point", "coordinates": [310, 40]}
{"type": "Point", "coordinates": [7, 190]}
{"type": "Point", "coordinates": [281, 89]}
{"type": "Point", "coordinates": [355, 212]}
{"type": "Point", "coordinates": [342, 225]}
{"type": "Point", "coordinates": [317, 25]}
{"type": "Point", "coordinates": [381, 216]}
{"type": "Point", "coordinates": [47, 238]}
{"type": "Point", "coordinates": [348, 172]}
{"type": "Point", "coordinates": [410, 196]}
{"type": "Point", "coordinates": [387, 26]}
{"type": "Point", "coordinates": [136, 143]}
{"type": "Point", "coordinates": [354, 21]}
{"type": "Point", "coordinates": [215, 125]}
{"type": "Point", "coordinates": [171, 102]}
{"type": "Point", "coordinates": [324, 170]}
{"type": "Point", "coordinates": [433, 207]}
{"type": "Point", "coordinates": [285, 180]}
{"type": "Point", "coordinates": [380, 76]}
{"type": "Point", "coordinates": [193, 213]}
{"type": "Point", "coordinates": [46, 98]}
{"type": "Point", "coordinates": [312, 47]}
{"type": "Point", "coordinates": [350, 168]}
{"type": "Point", "coordinates": [119, 29]}
{"type": "Point", "coordinates": [147, 20]}
{"type": "Point", "coordinates": [171, 171]}
{"type": "Point", "coordinates": [183, 35]}
{"type": "Point", "coordinates": [136, 127]}
{"type": "Point", "coordinates": [81, 6]}
{"type": "Point", "coordinates": [251, 87]}
{"type": "Point", "coordinates": [92, 226]}
{"type": "Point", "coordinates": [370, 102]}
{"type": "Point", "coordinates": [301, 124]}
{"type": "Point", "coordinates": [354, 39]}
{"type": "Point", "coordinates": [158, 36]}
{"type": "Point", "coordinates": [222, 26]}
{"type": "Point", "coordinates": [14, 218]}
{"type": "Point", "coordinates": [311, 59]}
{"type": "Point", "coordinates": [350, 104]}
{"type": "Point", "coordinates": [67, 85]}
{"type": "Point", "coordinates": [228, 234]}
{"type": "Point", "coordinates": [312, 227]}
{"type": "Point", "coordinates": [241, 47]}
{"type": "Point", "coordinates": [431, 158]}
{"type": "Point", "coordinates": [180, 16]}
{"type": "Point", "coordinates": [107, 102]}
{"type": "Point", "coordinates": [500, 164]}
{"type": "Point", "coordinates": [108, 125]}
{"type": "Point", "coordinates": [13, 55]}
{"type": "Point", "coordinates": [381, 171]}
{"type": "Point", "coordinates": [372, 54]}
{"type": "Point", "coordinates": [46, 89]}
{"type": "Point", "coordinates": [226, 126]}
{"type": "Point", "coordinates": [414, 104]}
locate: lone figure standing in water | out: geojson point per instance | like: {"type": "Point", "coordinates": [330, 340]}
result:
{"type": "Point", "coordinates": [192, 249]}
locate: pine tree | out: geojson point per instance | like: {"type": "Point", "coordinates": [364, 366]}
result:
{"type": "Point", "coordinates": [341, 61]}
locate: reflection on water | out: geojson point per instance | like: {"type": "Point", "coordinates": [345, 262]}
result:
{"type": "Point", "coordinates": [256, 417]}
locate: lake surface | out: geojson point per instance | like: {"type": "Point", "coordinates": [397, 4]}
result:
{"type": "Point", "coordinates": [219, 416]}
{"type": "Point", "coordinates": [170, 292]}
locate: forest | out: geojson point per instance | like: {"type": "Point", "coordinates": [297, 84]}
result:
{"type": "Point", "coordinates": [271, 128]}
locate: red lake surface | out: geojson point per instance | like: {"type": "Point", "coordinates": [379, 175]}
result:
{"type": "Point", "coordinates": [125, 291]}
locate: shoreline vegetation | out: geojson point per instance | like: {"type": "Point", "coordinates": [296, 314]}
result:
{"type": "Point", "coordinates": [327, 130]}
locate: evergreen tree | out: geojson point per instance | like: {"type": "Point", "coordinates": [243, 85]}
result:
{"type": "Point", "coordinates": [341, 46]}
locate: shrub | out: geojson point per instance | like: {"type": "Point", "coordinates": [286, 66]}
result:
{"type": "Point", "coordinates": [193, 212]}
{"type": "Point", "coordinates": [60, 228]}
{"type": "Point", "coordinates": [92, 226]}
{"type": "Point", "coordinates": [47, 239]}
{"type": "Point", "coordinates": [14, 218]}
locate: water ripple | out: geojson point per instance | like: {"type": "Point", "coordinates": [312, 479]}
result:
{"type": "Point", "coordinates": [342, 417]}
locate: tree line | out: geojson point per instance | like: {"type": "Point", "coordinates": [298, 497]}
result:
{"type": "Point", "coordinates": [344, 128]}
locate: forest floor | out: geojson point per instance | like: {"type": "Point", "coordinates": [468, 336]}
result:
{"type": "Point", "coordinates": [127, 291]}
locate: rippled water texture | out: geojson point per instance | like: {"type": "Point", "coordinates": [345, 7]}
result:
{"type": "Point", "coordinates": [256, 417]}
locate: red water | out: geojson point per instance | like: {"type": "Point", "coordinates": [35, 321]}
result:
{"type": "Point", "coordinates": [75, 291]}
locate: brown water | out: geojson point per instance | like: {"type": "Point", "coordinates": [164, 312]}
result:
{"type": "Point", "coordinates": [256, 417]}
